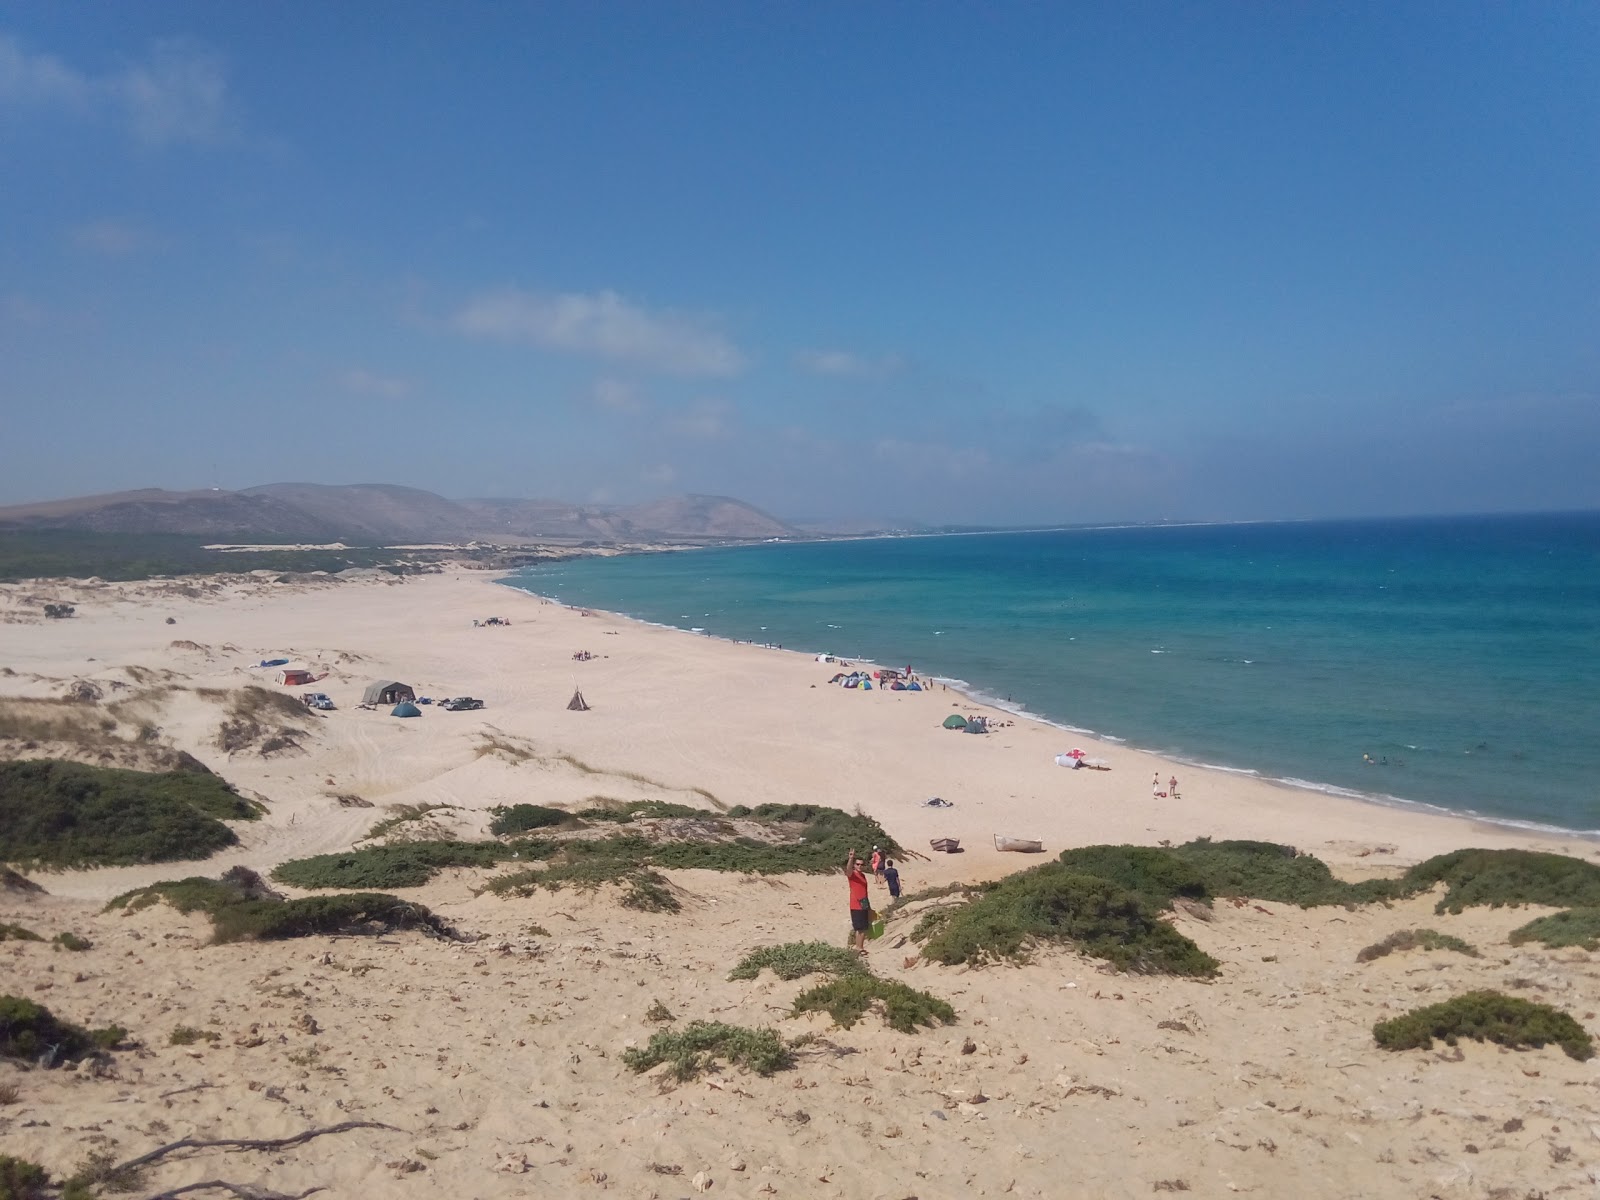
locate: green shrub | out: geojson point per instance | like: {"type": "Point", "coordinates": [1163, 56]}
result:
{"type": "Point", "coordinates": [22, 1180]}
{"type": "Point", "coordinates": [1051, 903]}
{"type": "Point", "coordinates": [623, 811]}
{"type": "Point", "coordinates": [403, 815]}
{"type": "Point", "coordinates": [1575, 927]}
{"type": "Point", "coordinates": [519, 818]}
{"type": "Point", "coordinates": [1268, 871]}
{"type": "Point", "coordinates": [406, 864]}
{"type": "Point", "coordinates": [64, 814]}
{"type": "Point", "coordinates": [794, 959]}
{"type": "Point", "coordinates": [642, 889]}
{"type": "Point", "coordinates": [1415, 939]}
{"type": "Point", "coordinates": [16, 933]}
{"type": "Point", "coordinates": [240, 914]}
{"type": "Point", "coordinates": [847, 999]}
{"type": "Point", "coordinates": [71, 941]}
{"type": "Point", "coordinates": [1507, 877]}
{"type": "Point", "coordinates": [187, 1035]}
{"type": "Point", "coordinates": [691, 1051]}
{"type": "Point", "coordinates": [1486, 1016]}
{"type": "Point", "coordinates": [1157, 875]}
{"type": "Point", "coordinates": [30, 1032]}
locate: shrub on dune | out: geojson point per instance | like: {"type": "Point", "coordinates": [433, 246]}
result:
{"type": "Point", "coordinates": [1051, 903]}
{"type": "Point", "coordinates": [848, 998]}
{"type": "Point", "coordinates": [1507, 877]}
{"type": "Point", "coordinates": [1576, 927]}
{"type": "Point", "coordinates": [65, 814]}
{"type": "Point", "coordinates": [239, 912]}
{"type": "Point", "coordinates": [692, 1051]}
{"type": "Point", "coordinates": [1158, 875]}
{"type": "Point", "coordinates": [1486, 1016]}
{"type": "Point", "coordinates": [405, 864]}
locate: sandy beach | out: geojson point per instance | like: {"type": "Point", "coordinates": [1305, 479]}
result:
{"type": "Point", "coordinates": [494, 1067]}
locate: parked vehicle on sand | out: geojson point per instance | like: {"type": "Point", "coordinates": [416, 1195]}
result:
{"type": "Point", "coordinates": [460, 704]}
{"type": "Point", "coordinates": [319, 700]}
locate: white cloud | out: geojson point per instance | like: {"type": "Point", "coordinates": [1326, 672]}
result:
{"type": "Point", "coordinates": [177, 93]}
{"type": "Point", "coordinates": [707, 419]}
{"type": "Point", "coordinates": [615, 395]}
{"type": "Point", "coordinates": [38, 79]}
{"type": "Point", "coordinates": [368, 383]}
{"type": "Point", "coordinates": [844, 362]}
{"type": "Point", "coordinates": [603, 324]}
{"type": "Point", "coordinates": [113, 238]}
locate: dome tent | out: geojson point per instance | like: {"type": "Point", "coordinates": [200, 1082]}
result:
{"type": "Point", "coordinates": [955, 721]}
{"type": "Point", "coordinates": [405, 709]}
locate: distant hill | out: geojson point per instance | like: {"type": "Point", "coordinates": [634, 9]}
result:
{"type": "Point", "coordinates": [386, 514]}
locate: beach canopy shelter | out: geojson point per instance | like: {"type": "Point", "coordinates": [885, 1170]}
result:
{"type": "Point", "coordinates": [577, 703]}
{"type": "Point", "coordinates": [387, 691]}
{"type": "Point", "coordinates": [406, 709]}
{"type": "Point", "coordinates": [294, 678]}
{"type": "Point", "coordinates": [955, 721]}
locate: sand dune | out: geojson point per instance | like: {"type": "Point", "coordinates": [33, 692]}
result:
{"type": "Point", "coordinates": [496, 1065]}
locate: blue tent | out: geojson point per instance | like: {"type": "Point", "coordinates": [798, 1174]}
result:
{"type": "Point", "coordinates": [405, 709]}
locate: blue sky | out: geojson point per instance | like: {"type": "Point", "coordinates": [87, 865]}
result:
{"type": "Point", "coordinates": [956, 262]}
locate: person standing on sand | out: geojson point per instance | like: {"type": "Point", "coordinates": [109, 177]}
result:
{"type": "Point", "coordinates": [1172, 787]}
{"type": "Point", "coordinates": [877, 863]}
{"type": "Point", "coordinates": [860, 906]}
{"type": "Point", "coordinates": [892, 878]}
{"type": "Point", "coordinates": [1155, 786]}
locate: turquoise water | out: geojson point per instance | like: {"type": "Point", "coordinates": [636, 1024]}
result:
{"type": "Point", "coordinates": [1464, 651]}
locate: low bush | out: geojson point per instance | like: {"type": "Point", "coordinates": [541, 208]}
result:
{"type": "Point", "coordinates": [847, 999]}
{"type": "Point", "coordinates": [16, 933]}
{"type": "Point", "coordinates": [795, 959]}
{"type": "Point", "coordinates": [1417, 939]}
{"type": "Point", "coordinates": [1575, 927]}
{"type": "Point", "coordinates": [643, 889]}
{"type": "Point", "coordinates": [403, 865]}
{"type": "Point", "coordinates": [1507, 877]}
{"type": "Point", "coordinates": [32, 1033]}
{"type": "Point", "coordinates": [187, 1035]}
{"type": "Point", "coordinates": [1052, 903]}
{"type": "Point", "coordinates": [693, 1050]}
{"type": "Point", "coordinates": [1486, 1016]}
{"type": "Point", "coordinates": [238, 914]}
{"type": "Point", "coordinates": [624, 811]}
{"type": "Point", "coordinates": [65, 814]}
{"type": "Point", "coordinates": [519, 818]}
{"type": "Point", "coordinates": [1268, 871]}
{"type": "Point", "coordinates": [22, 1180]}
{"type": "Point", "coordinates": [71, 941]}
{"type": "Point", "coordinates": [1157, 875]}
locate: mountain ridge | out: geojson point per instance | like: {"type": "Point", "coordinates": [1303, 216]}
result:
{"type": "Point", "coordinates": [386, 514]}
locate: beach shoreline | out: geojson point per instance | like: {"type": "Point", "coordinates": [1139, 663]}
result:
{"type": "Point", "coordinates": [495, 1066]}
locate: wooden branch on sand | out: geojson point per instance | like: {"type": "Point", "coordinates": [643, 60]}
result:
{"type": "Point", "coordinates": [239, 1144]}
{"type": "Point", "coordinates": [242, 1191]}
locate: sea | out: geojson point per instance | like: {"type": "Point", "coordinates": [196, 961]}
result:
{"type": "Point", "coordinates": [1448, 662]}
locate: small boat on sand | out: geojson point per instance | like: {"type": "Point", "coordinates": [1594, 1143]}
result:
{"type": "Point", "coordinates": [946, 845]}
{"type": "Point", "coordinates": [1020, 845]}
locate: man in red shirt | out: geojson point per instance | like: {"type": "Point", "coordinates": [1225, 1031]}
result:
{"type": "Point", "coordinates": [860, 906]}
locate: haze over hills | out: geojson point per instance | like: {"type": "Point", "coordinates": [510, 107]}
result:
{"type": "Point", "coordinates": [387, 514]}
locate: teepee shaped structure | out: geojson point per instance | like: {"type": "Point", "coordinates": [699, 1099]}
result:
{"type": "Point", "coordinates": [577, 703]}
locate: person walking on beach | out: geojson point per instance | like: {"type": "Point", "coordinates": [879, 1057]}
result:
{"type": "Point", "coordinates": [892, 878]}
{"type": "Point", "coordinates": [1155, 786]}
{"type": "Point", "coordinates": [877, 863]}
{"type": "Point", "coordinates": [1172, 787]}
{"type": "Point", "coordinates": [860, 906]}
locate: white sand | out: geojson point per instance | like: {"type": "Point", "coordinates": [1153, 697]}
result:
{"type": "Point", "coordinates": [1266, 1080]}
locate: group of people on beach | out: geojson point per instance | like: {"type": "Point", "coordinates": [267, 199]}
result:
{"type": "Point", "coordinates": [861, 914]}
{"type": "Point", "coordinates": [1172, 787]}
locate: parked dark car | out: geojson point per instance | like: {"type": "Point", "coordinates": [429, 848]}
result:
{"type": "Point", "coordinates": [461, 704]}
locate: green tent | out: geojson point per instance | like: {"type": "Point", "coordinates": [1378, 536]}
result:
{"type": "Point", "coordinates": [955, 721]}
{"type": "Point", "coordinates": [406, 709]}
